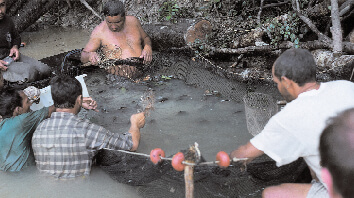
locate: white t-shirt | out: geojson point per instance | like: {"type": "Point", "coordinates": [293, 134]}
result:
{"type": "Point", "coordinates": [295, 131]}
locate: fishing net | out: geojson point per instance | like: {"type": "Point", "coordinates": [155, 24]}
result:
{"type": "Point", "coordinates": [162, 180]}
{"type": "Point", "coordinates": [259, 108]}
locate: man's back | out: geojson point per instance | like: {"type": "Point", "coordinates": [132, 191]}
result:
{"type": "Point", "coordinates": [64, 144]}
{"type": "Point", "coordinates": [15, 139]}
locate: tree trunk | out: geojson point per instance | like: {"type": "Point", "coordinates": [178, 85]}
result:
{"type": "Point", "coordinates": [26, 12]}
{"type": "Point", "coordinates": [336, 28]}
{"type": "Point", "coordinates": [167, 35]}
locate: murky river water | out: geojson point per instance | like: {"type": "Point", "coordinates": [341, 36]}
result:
{"type": "Point", "coordinates": [183, 115]}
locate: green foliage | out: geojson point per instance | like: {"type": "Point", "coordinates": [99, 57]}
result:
{"type": "Point", "coordinates": [169, 11]}
{"type": "Point", "coordinates": [284, 29]}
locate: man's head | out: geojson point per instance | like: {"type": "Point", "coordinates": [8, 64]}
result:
{"type": "Point", "coordinates": [114, 13]}
{"type": "Point", "coordinates": [337, 154]}
{"type": "Point", "coordinates": [66, 92]}
{"type": "Point", "coordinates": [2, 9]}
{"type": "Point", "coordinates": [13, 102]}
{"type": "Point", "coordinates": [295, 65]}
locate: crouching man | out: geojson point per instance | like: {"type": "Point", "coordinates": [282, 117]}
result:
{"type": "Point", "coordinates": [64, 144]}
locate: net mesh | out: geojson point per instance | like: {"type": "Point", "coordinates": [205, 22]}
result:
{"type": "Point", "coordinates": [259, 108]}
{"type": "Point", "coordinates": [251, 87]}
{"type": "Point", "coordinates": [162, 180]}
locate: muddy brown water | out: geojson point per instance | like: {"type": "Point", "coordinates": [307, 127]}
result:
{"type": "Point", "coordinates": [183, 115]}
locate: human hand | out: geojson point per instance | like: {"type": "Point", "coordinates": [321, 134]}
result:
{"type": "Point", "coordinates": [146, 54]}
{"type": "Point", "coordinates": [2, 65]}
{"type": "Point", "coordinates": [138, 119]}
{"type": "Point", "coordinates": [15, 53]}
{"type": "Point", "coordinates": [89, 103]}
{"type": "Point", "coordinates": [94, 58]}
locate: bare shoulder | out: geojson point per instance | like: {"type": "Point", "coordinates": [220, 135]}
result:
{"type": "Point", "coordinates": [98, 30]}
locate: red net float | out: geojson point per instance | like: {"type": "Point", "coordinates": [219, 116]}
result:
{"type": "Point", "coordinates": [223, 158]}
{"type": "Point", "coordinates": [156, 154]}
{"type": "Point", "coordinates": [177, 161]}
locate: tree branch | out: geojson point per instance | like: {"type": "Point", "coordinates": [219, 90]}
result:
{"type": "Point", "coordinates": [309, 23]}
{"type": "Point", "coordinates": [336, 28]}
{"type": "Point", "coordinates": [89, 7]}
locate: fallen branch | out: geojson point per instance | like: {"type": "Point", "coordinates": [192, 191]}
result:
{"type": "Point", "coordinates": [309, 23]}
{"type": "Point", "coordinates": [89, 7]}
{"type": "Point", "coordinates": [310, 45]}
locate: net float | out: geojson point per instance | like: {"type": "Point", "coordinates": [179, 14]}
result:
{"type": "Point", "coordinates": [223, 158]}
{"type": "Point", "coordinates": [177, 161]}
{"type": "Point", "coordinates": [156, 154]}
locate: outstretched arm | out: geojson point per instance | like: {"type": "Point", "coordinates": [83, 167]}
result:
{"type": "Point", "coordinates": [246, 151]}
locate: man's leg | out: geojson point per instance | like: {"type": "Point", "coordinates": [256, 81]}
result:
{"type": "Point", "coordinates": [20, 72]}
{"type": "Point", "coordinates": [287, 190]}
{"type": "Point", "coordinates": [42, 69]}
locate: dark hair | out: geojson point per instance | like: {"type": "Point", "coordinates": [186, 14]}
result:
{"type": "Point", "coordinates": [114, 8]}
{"type": "Point", "coordinates": [337, 151]}
{"type": "Point", "coordinates": [9, 100]}
{"type": "Point", "coordinates": [297, 65]}
{"type": "Point", "coordinates": [65, 90]}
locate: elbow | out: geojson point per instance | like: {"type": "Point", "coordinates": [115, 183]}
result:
{"type": "Point", "coordinates": [134, 147]}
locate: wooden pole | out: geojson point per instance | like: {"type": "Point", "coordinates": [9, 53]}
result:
{"type": "Point", "coordinates": [189, 180]}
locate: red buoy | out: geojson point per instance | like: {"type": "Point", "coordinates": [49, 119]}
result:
{"type": "Point", "coordinates": [177, 160]}
{"type": "Point", "coordinates": [156, 154]}
{"type": "Point", "coordinates": [223, 158]}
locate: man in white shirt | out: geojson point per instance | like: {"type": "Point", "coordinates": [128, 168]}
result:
{"type": "Point", "coordinates": [295, 131]}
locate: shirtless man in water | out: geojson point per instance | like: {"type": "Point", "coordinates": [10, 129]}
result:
{"type": "Point", "coordinates": [120, 34]}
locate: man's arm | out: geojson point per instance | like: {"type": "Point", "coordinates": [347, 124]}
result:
{"type": "Point", "coordinates": [137, 122]}
{"type": "Point", "coordinates": [246, 151]}
{"type": "Point", "coordinates": [89, 53]}
{"type": "Point", "coordinates": [146, 44]}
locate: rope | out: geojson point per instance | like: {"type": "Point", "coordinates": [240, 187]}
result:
{"type": "Point", "coordinates": [184, 162]}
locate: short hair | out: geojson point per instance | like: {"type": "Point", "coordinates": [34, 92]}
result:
{"type": "Point", "coordinates": [9, 100]}
{"type": "Point", "coordinates": [114, 8]}
{"type": "Point", "coordinates": [297, 65]}
{"type": "Point", "coordinates": [65, 90]}
{"type": "Point", "coordinates": [337, 151]}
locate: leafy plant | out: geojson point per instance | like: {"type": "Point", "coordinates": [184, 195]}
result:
{"type": "Point", "coordinates": [284, 28]}
{"type": "Point", "coordinates": [169, 11]}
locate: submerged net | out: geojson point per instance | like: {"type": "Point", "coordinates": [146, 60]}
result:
{"type": "Point", "coordinates": [259, 108]}
{"type": "Point", "coordinates": [162, 180]}
{"type": "Point", "coordinates": [210, 180]}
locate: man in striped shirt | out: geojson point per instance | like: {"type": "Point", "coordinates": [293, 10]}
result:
{"type": "Point", "coordinates": [64, 144]}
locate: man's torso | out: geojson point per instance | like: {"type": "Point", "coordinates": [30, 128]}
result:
{"type": "Point", "coordinates": [123, 44]}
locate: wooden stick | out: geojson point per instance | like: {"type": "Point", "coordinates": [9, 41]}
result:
{"type": "Point", "coordinates": [189, 180]}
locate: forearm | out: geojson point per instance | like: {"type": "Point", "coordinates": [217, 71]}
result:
{"type": "Point", "coordinates": [247, 151]}
{"type": "Point", "coordinates": [147, 42]}
{"type": "Point", "coordinates": [85, 56]}
{"type": "Point", "coordinates": [135, 132]}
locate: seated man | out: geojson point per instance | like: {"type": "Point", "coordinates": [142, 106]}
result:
{"type": "Point", "coordinates": [16, 129]}
{"type": "Point", "coordinates": [118, 37]}
{"type": "Point", "coordinates": [24, 69]}
{"type": "Point", "coordinates": [295, 131]}
{"type": "Point", "coordinates": [337, 155]}
{"type": "Point", "coordinates": [64, 144]}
